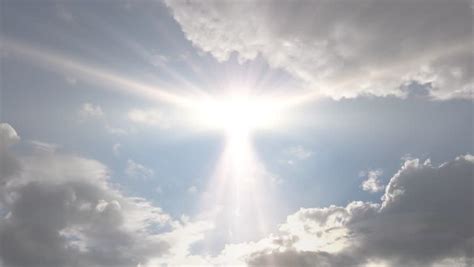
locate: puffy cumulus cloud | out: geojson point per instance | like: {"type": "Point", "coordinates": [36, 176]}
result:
{"type": "Point", "coordinates": [61, 210]}
{"type": "Point", "coordinates": [343, 48]}
{"type": "Point", "coordinates": [372, 184]}
{"type": "Point", "coordinates": [425, 218]}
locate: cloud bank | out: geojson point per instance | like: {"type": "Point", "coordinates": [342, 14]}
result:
{"type": "Point", "coordinates": [343, 48]}
{"type": "Point", "coordinates": [424, 218]}
{"type": "Point", "coordinates": [61, 210]}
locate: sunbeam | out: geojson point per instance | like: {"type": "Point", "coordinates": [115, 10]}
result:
{"type": "Point", "coordinates": [236, 133]}
{"type": "Point", "coordinates": [63, 64]}
{"type": "Point", "coordinates": [241, 187]}
{"type": "Point", "coordinates": [240, 190]}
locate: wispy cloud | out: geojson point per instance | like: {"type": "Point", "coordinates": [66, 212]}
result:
{"type": "Point", "coordinates": [138, 171]}
{"type": "Point", "coordinates": [296, 153]}
{"type": "Point", "coordinates": [151, 117]}
{"type": "Point", "coordinates": [116, 149]}
{"type": "Point", "coordinates": [93, 112]}
{"type": "Point", "coordinates": [89, 110]}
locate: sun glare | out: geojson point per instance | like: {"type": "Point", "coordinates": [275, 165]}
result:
{"type": "Point", "coordinates": [238, 114]}
{"type": "Point", "coordinates": [240, 179]}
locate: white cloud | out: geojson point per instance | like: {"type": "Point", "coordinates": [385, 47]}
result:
{"type": "Point", "coordinates": [159, 190]}
{"type": "Point", "coordinates": [344, 48]}
{"type": "Point", "coordinates": [9, 165]}
{"type": "Point", "coordinates": [66, 202]}
{"type": "Point", "coordinates": [43, 146]}
{"type": "Point", "coordinates": [116, 149]}
{"type": "Point", "coordinates": [115, 130]}
{"type": "Point", "coordinates": [372, 184]}
{"type": "Point", "coordinates": [424, 219]}
{"type": "Point", "coordinates": [192, 189]}
{"type": "Point", "coordinates": [152, 117]}
{"type": "Point", "coordinates": [137, 170]}
{"type": "Point", "coordinates": [89, 110]}
{"type": "Point", "coordinates": [294, 154]}
{"type": "Point", "coordinates": [60, 210]}
{"type": "Point", "coordinates": [8, 135]}
{"type": "Point", "coordinates": [299, 152]}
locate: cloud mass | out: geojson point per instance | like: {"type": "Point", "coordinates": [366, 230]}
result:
{"type": "Point", "coordinates": [61, 210]}
{"type": "Point", "coordinates": [343, 48]}
{"type": "Point", "coordinates": [424, 218]}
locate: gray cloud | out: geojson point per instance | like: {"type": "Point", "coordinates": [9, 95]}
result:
{"type": "Point", "coordinates": [9, 165]}
{"type": "Point", "coordinates": [61, 210]}
{"type": "Point", "coordinates": [343, 48]}
{"type": "Point", "coordinates": [425, 218]}
{"type": "Point", "coordinates": [71, 224]}
{"type": "Point", "coordinates": [296, 258]}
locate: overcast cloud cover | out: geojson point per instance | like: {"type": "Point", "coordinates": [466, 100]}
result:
{"type": "Point", "coordinates": [98, 167]}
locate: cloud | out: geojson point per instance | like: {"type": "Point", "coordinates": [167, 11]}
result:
{"type": "Point", "coordinates": [192, 189]}
{"type": "Point", "coordinates": [116, 149]}
{"type": "Point", "coordinates": [93, 112]}
{"type": "Point", "coordinates": [43, 146]}
{"type": "Point", "coordinates": [295, 258]}
{"type": "Point", "coordinates": [137, 170]}
{"type": "Point", "coordinates": [424, 218]}
{"type": "Point", "coordinates": [372, 183]}
{"type": "Point", "coordinates": [9, 165]}
{"type": "Point", "coordinates": [299, 152]}
{"type": "Point", "coordinates": [89, 110]}
{"type": "Point", "coordinates": [343, 49]}
{"type": "Point", "coordinates": [65, 201]}
{"type": "Point", "coordinates": [61, 210]}
{"type": "Point", "coordinates": [151, 117]}
{"type": "Point", "coordinates": [294, 154]}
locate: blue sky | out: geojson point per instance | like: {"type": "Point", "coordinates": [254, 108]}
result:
{"type": "Point", "coordinates": [380, 101]}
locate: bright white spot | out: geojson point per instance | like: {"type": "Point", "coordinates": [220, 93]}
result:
{"type": "Point", "coordinates": [238, 114]}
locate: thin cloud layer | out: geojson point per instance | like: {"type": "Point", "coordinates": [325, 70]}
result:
{"type": "Point", "coordinates": [343, 48]}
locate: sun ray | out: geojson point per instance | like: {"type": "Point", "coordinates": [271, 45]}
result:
{"type": "Point", "coordinates": [62, 63]}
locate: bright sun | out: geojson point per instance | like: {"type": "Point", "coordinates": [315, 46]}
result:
{"type": "Point", "coordinates": [238, 114]}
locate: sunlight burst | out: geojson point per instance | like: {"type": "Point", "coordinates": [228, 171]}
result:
{"type": "Point", "coordinates": [238, 114]}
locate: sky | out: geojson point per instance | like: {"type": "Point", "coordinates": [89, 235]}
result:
{"type": "Point", "coordinates": [236, 133]}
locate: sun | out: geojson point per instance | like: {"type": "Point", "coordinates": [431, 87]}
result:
{"type": "Point", "coordinates": [238, 114]}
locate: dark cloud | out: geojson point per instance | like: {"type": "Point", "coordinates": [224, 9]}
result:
{"type": "Point", "coordinates": [301, 259]}
{"type": "Point", "coordinates": [59, 210]}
